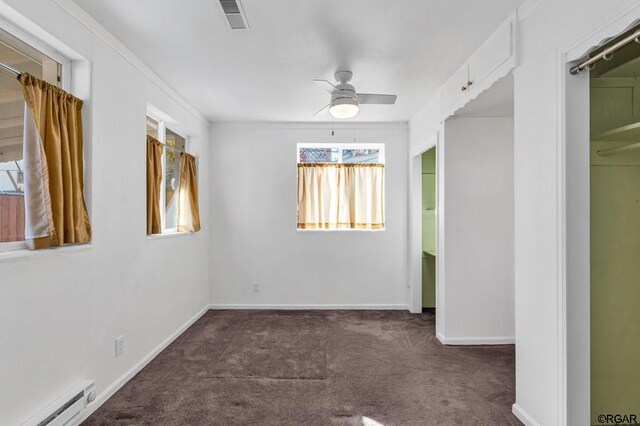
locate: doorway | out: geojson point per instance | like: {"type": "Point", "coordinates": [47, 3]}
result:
{"type": "Point", "coordinates": [429, 230]}
{"type": "Point", "coordinates": [476, 295]}
{"type": "Point", "coordinates": [469, 219]}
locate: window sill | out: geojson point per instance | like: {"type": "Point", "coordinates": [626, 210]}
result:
{"type": "Point", "coordinates": [169, 235]}
{"type": "Point", "coordinates": [24, 253]}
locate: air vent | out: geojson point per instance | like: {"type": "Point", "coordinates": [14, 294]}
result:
{"type": "Point", "coordinates": [234, 14]}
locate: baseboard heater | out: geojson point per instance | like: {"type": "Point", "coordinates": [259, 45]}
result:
{"type": "Point", "coordinates": [67, 409]}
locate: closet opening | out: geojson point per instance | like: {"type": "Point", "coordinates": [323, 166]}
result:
{"type": "Point", "coordinates": [614, 194]}
{"type": "Point", "coordinates": [599, 232]}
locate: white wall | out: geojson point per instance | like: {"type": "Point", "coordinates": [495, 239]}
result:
{"type": "Point", "coordinates": [254, 188]}
{"type": "Point", "coordinates": [546, 31]}
{"type": "Point", "coordinates": [61, 310]}
{"type": "Point", "coordinates": [476, 296]}
{"type": "Point", "coordinates": [424, 126]}
{"type": "Point", "coordinates": [547, 28]}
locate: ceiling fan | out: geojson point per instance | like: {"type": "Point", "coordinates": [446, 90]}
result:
{"type": "Point", "coordinates": [345, 102]}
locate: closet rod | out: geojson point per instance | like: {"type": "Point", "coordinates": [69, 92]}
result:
{"type": "Point", "coordinates": [605, 54]}
{"type": "Point", "coordinates": [10, 69]}
{"type": "Point", "coordinates": [631, 146]}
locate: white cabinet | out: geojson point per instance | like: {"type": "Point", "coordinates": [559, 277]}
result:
{"type": "Point", "coordinates": [455, 88]}
{"type": "Point", "coordinates": [494, 59]}
{"type": "Point", "coordinates": [493, 53]}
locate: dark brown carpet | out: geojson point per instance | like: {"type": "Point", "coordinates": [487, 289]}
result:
{"type": "Point", "coordinates": [317, 368]}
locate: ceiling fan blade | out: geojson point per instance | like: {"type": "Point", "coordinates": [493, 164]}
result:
{"type": "Point", "coordinates": [372, 98]}
{"type": "Point", "coordinates": [326, 85]}
{"type": "Point", "coordinates": [322, 110]}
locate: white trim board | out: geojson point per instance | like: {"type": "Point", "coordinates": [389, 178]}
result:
{"type": "Point", "coordinates": [470, 341]}
{"type": "Point", "coordinates": [523, 416]}
{"type": "Point", "coordinates": [527, 7]}
{"type": "Point", "coordinates": [122, 380]}
{"type": "Point", "coordinates": [292, 306]}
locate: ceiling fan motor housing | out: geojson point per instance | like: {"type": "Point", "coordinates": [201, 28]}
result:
{"type": "Point", "coordinates": [344, 90]}
{"type": "Point", "coordinates": [343, 76]}
{"type": "Point", "coordinates": [345, 101]}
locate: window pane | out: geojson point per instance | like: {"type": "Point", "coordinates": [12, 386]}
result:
{"type": "Point", "coordinates": [175, 144]}
{"type": "Point", "coordinates": [171, 188]}
{"type": "Point", "coordinates": [22, 57]}
{"type": "Point", "coordinates": [319, 155]}
{"type": "Point", "coordinates": [152, 127]}
{"type": "Point", "coordinates": [360, 156]}
{"type": "Point", "coordinates": [11, 129]}
{"type": "Point", "coordinates": [175, 140]}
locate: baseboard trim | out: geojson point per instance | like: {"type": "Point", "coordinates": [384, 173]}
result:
{"type": "Point", "coordinates": [466, 341]}
{"type": "Point", "coordinates": [122, 380]}
{"type": "Point", "coordinates": [267, 306]}
{"type": "Point", "coordinates": [523, 416]}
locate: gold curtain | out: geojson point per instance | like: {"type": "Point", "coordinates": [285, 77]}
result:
{"type": "Point", "coordinates": [188, 210]}
{"type": "Point", "coordinates": [154, 183]}
{"type": "Point", "coordinates": [340, 196]}
{"type": "Point", "coordinates": [55, 209]}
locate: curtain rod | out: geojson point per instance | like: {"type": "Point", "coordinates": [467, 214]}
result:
{"type": "Point", "coordinates": [10, 69]}
{"type": "Point", "coordinates": [606, 54]}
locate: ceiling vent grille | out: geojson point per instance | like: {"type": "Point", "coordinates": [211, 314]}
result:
{"type": "Point", "coordinates": [234, 14]}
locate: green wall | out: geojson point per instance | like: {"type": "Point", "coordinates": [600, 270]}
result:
{"type": "Point", "coordinates": [429, 229]}
{"type": "Point", "coordinates": [615, 258]}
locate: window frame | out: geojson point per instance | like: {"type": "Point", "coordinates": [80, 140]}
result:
{"type": "Point", "coordinates": [162, 138]}
{"type": "Point", "coordinates": [341, 146]}
{"type": "Point", "coordinates": [64, 82]}
{"type": "Point", "coordinates": [43, 48]}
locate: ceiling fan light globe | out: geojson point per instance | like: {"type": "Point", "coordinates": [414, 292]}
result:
{"type": "Point", "coordinates": [344, 108]}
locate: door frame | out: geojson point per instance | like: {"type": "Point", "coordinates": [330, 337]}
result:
{"type": "Point", "coordinates": [415, 223]}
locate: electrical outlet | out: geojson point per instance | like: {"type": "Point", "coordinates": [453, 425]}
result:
{"type": "Point", "coordinates": [255, 286]}
{"type": "Point", "coordinates": [119, 346]}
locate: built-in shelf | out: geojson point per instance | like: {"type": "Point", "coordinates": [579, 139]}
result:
{"type": "Point", "coordinates": [611, 151]}
{"type": "Point", "coordinates": [628, 133]}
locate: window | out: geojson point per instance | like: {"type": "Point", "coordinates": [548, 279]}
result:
{"type": "Point", "coordinates": [340, 186]}
{"type": "Point", "coordinates": [173, 145]}
{"type": "Point", "coordinates": [338, 154]}
{"type": "Point", "coordinates": [22, 57]}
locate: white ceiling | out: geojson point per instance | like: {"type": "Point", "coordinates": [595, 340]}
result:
{"type": "Point", "coordinates": [407, 48]}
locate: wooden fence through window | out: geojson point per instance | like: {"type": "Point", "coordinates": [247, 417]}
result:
{"type": "Point", "coordinates": [11, 217]}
